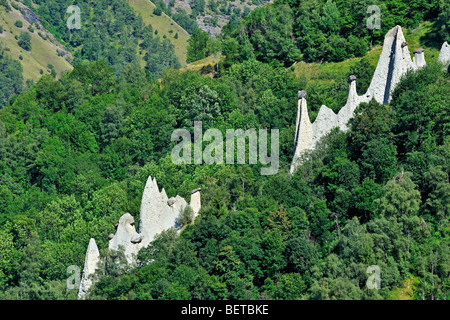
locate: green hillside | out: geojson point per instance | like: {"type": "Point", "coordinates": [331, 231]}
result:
{"type": "Point", "coordinates": [165, 26]}
{"type": "Point", "coordinates": [43, 51]}
{"type": "Point", "coordinates": [365, 216]}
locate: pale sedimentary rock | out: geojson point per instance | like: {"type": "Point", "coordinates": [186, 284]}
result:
{"type": "Point", "coordinates": [90, 266]}
{"type": "Point", "coordinates": [444, 54]}
{"type": "Point", "coordinates": [394, 62]}
{"type": "Point", "coordinates": [303, 129]}
{"type": "Point", "coordinates": [126, 237]}
{"type": "Point", "coordinates": [157, 214]}
{"type": "Point", "coordinates": [419, 58]}
{"type": "Point", "coordinates": [195, 203]}
{"type": "Point", "coordinates": [301, 94]}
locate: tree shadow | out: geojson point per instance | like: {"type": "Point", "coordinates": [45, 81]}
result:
{"type": "Point", "coordinates": [433, 39]}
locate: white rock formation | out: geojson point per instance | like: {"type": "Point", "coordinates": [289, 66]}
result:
{"type": "Point", "coordinates": [195, 203]}
{"type": "Point", "coordinates": [157, 213]}
{"type": "Point", "coordinates": [444, 55]}
{"type": "Point", "coordinates": [419, 58]}
{"type": "Point", "coordinates": [90, 265]}
{"type": "Point", "coordinates": [394, 62]}
{"type": "Point", "coordinates": [127, 237]}
{"type": "Point", "coordinates": [303, 129]}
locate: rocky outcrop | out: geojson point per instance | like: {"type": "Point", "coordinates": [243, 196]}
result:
{"type": "Point", "coordinates": [303, 128]}
{"type": "Point", "coordinates": [444, 54]}
{"type": "Point", "coordinates": [127, 237]}
{"type": "Point", "coordinates": [393, 63]}
{"type": "Point", "coordinates": [419, 58]}
{"type": "Point", "coordinates": [90, 265]}
{"type": "Point", "coordinates": [195, 203]}
{"type": "Point", "coordinates": [157, 214]}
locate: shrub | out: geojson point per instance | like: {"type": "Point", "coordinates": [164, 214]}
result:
{"type": "Point", "coordinates": [18, 24]}
{"type": "Point", "coordinates": [24, 41]}
{"type": "Point", "coordinates": [157, 11]}
{"type": "Point", "coordinates": [42, 35]}
{"type": "Point", "coordinates": [186, 216]}
{"type": "Point", "coordinates": [15, 5]}
{"type": "Point", "coordinates": [5, 4]}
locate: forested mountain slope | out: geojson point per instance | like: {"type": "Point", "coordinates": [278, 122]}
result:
{"type": "Point", "coordinates": [75, 155]}
{"type": "Point", "coordinates": [165, 25]}
{"type": "Point", "coordinates": [111, 31]}
{"type": "Point", "coordinates": [37, 52]}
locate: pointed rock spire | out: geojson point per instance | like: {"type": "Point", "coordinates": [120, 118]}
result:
{"type": "Point", "coordinates": [164, 197]}
{"type": "Point", "coordinates": [303, 130]}
{"type": "Point", "coordinates": [346, 112]}
{"type": "Point", "coordinates": [394, 62]}
{"type": "Point", "coordinates": [157, 214]}
{"type": "Point", "coordinates": [195, 203]}
{"type": "Point", "coordinates": [90, 265]}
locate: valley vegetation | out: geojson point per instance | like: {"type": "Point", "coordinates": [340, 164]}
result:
{"type": "Point", "coordinates": [75, 154]}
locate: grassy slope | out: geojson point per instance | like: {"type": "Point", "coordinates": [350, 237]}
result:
{"type": "Point", "coordinates": [211, 60]}
{"type": "Point", "coordinates": [163, 24]}
{"type": "Point", "coordinates": [328, 72]}
{"type": "Point", "coordinates": [424, 36]}
{"type": "Point", "coordinates": [43, 52]}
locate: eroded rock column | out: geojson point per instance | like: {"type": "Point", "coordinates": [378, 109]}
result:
{"type": "Point", "coordinates": [419, 58]}
{"type": "Point", "coordinates": [195, 201]}
{"type": "Point", "coordinates": [90, 266]}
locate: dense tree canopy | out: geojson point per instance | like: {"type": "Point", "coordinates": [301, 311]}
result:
{"type": "Point", "coordinates": [75, 154]}
{"type": "Point", "coordinates": [11, 79]}
{"type": "Point", "coordinates": [331, 30]}
{"type": "Point", "coordinates": [72, 164]}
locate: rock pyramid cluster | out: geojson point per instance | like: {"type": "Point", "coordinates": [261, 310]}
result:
{"type": "Point", "coordinates": [157, 213]}
{"type": "Point", "coordinates": [394, 62]}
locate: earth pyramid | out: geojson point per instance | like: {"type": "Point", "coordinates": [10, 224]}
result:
{"type": "Point", "coordinates": [394, 62]}
{"type": "Point", "coordinates": [157, 214]}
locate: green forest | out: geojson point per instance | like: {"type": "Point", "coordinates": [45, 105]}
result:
{"type": "Point", "coordinates": [76, 152]}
